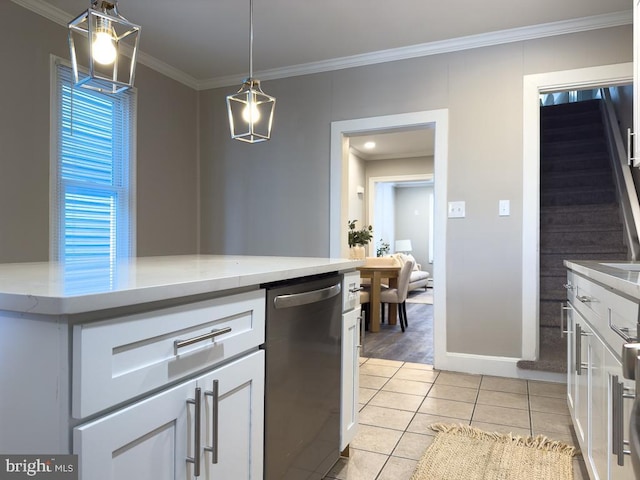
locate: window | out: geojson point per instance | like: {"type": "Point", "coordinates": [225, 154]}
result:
{"type": "Point", "coordinates": [93, 162]}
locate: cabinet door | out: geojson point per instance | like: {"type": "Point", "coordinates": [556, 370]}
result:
{"type": "Point", "coordinates": [350, 376]}
{"type": "Point", "coordinates": [233, 420]}
{"type": "Point", "coordinates": [571, 357]}
{"type": "Point", "coordinates": [149, 440]}
{"type": "Point", "coordinates": [582, 332]}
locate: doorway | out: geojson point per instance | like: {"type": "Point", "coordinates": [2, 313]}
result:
{"type": "Point", "coordinates": [533, 87]}
{"type": "Point", "coordinates": [339, 196]}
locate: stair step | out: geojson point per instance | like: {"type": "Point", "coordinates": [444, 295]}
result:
{"type": "Point", "coordinates": [553, 352]}
{"type": "Point", "coordinates": [572, 132]}
{"type": "Point", "coordinates": [554, 262]}
{"type": "Point", "coordinates": [570, 162]}
{"type": "Point", "coordinates": [581, 229]}
{"type": "Point", "coordinates": [578, 196]}
{"type": "Point", "coordinates": [552, 288]}
{"type": "Point", "coordinates": [573, 108]}
{"type": "Point", "coordinates": [578, 253]}
{"type": "Point", "coordinates": [606, 238]}
{"type": "Point", "coordinates": [590, 145]}
{"type": "Point", "coordinates": [568, 215]}
{"type": "Point", "coordinates": [574, 179]}
{"type": "Point", "coordinates": [550, 312]}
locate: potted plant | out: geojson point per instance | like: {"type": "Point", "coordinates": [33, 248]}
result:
{"type": "Point", "coordinates": [383, 248]}
{"type": "Point", "coordinates": [358, 239]}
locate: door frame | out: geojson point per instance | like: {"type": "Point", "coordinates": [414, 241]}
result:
{"type": "Point", "coordinates": [533, 86]}
{"type": "Point", "coordinates": [338, 198]}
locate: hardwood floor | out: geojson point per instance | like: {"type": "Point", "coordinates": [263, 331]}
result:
{"type": "Point", "coordinates": [414, 345]}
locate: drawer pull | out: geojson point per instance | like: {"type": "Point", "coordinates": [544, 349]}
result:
{"type": "Point", "coordinates": [201, 338]}
{"type": "Point", "coordinates": [623, 332]}
{"type": "Point", "coordinates": [215, 407]}
{"type": "Point", "coordinates": [563, 307]}
{"type": "Point", "coordinates": [584, 298]}
{"type": "Point", "coordinates": [618, 442]}
{"type": "Point", "coordinates": [196, 435]}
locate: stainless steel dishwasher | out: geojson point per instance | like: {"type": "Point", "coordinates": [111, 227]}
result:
{"type": "Point", "coordinates": [302, 391]}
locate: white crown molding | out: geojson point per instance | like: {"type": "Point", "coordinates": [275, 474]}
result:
{"type": "Point", "coordinates": [616, 19]}
{"type": "Point", "coordinates": [434, 48]}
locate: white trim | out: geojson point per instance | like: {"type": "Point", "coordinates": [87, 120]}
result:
{"type": "Point", "coordinates": [389, 178]}
{"type": "Point", "coordinates": [533, 86]}
{"type": "Point", "coordinates": [53, 155]}
{"type": "Point", "coordinates": [499, 37]}
{"type": "Point", "coordinates": [340, 130]}
{"type": "Point", "coordinates": [497, 366]}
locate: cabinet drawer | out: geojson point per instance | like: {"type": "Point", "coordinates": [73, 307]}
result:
{"type": "Point", "coordinates": [605, 310]}
{"type": "Point", "coordinates": [122, 358]}
{"type": "Point", "coordinates": [350, 291]}
{"type": "Point", "coordinates": [588, 299]}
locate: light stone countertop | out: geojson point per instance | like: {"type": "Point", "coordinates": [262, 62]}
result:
{"type": "Point", "coordinates": [621, 277]}
{"type": "Point", "coordinates": [55, 289]}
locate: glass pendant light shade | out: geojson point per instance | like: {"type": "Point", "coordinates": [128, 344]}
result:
{"type": "Point", "coordinates": [250, 113]}
{"type": "Point", "coordinates": [250, 109]}
{"type": "Point", "coordinates": [97, 39]}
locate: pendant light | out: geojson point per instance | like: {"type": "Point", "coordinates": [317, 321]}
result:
{"type": "Point", "coordinates": [96, 36]}
{"type": "Point", "coordinates": [250, 109]}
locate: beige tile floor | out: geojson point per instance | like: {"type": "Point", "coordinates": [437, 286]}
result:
{"type": "Point", "coordinates": [399, 400]}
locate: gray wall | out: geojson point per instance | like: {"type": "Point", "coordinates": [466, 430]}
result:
{"type": "Point", "coordinates": [167, 197]}
{"type": "Point", "coordinates": [274, 198]}
{"type": "Point", "coordinates": [412, 221]}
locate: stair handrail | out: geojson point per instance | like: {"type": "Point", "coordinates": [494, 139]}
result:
{"type": "Point", "coordinates": [630, 206]}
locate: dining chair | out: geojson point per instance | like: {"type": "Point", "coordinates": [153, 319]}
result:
{"type": "Point", "coordinates": [399, 295]}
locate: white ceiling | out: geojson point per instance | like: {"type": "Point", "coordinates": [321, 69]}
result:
{"type": "Point", "coordinates": [205, 42]}
{"type": "Point", "coordinates": [395, 144]}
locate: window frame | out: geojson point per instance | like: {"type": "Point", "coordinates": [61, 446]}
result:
{"type": "Point", "coordinates": [125, 243]}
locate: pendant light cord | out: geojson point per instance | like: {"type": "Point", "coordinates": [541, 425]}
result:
{"type": "Point", "coordinates": [251, 39]}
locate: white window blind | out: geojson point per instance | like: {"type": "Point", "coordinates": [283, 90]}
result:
{"type": "Point", "coordinates": [92, 211]}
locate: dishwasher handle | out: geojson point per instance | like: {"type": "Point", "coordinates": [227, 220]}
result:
{"type": "Point", "coordinates": [305, 298]}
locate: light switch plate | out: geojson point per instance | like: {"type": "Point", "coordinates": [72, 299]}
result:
{"type": "Point", "coordinates": [504, 208]}
{"type": "Point", "coordinates": [456, 209]}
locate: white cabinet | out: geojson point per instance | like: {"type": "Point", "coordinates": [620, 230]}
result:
{"type": "Point", "coordinates": [578, 375]}
{"type": "Point", "coordinates": [151, 439]}
{"type": "Point", "coordinates": [595, 387]}
{"type": "Point", "coordinates": [350, 377]}
{"type": "Point", "coordinates": [350, 367]}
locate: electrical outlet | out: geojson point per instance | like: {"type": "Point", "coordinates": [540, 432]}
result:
{"type": "Point", "coordinates": [456, 210]}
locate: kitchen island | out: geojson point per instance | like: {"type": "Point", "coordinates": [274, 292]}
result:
{"type": "Point", "coordinates": [125, 364]}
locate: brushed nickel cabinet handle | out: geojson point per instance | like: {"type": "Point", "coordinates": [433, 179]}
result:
{"type": "Point", "coordinates": [200, 338]}
{"type": "Point", "coordinates": [578, 350]}
{"type": "Point", "coordinates": [630, 157]}
{"type": "Point", "coordinates": [563, 308]}
{"type": "Point", "coordinates": [215, 409]}
{"type": "Point", "coordinates": [197, 401]}
{"type": "Point", "coordinates": [584, 298]}
{"type": "Point", "coordinates": [617, 431]}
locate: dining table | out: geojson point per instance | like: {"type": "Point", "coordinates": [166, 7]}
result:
{"type": "Point", "coordinates": [376, 273]}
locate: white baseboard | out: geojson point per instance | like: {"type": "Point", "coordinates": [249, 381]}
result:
{"type": "Point", "coordinates": [495, 366]}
